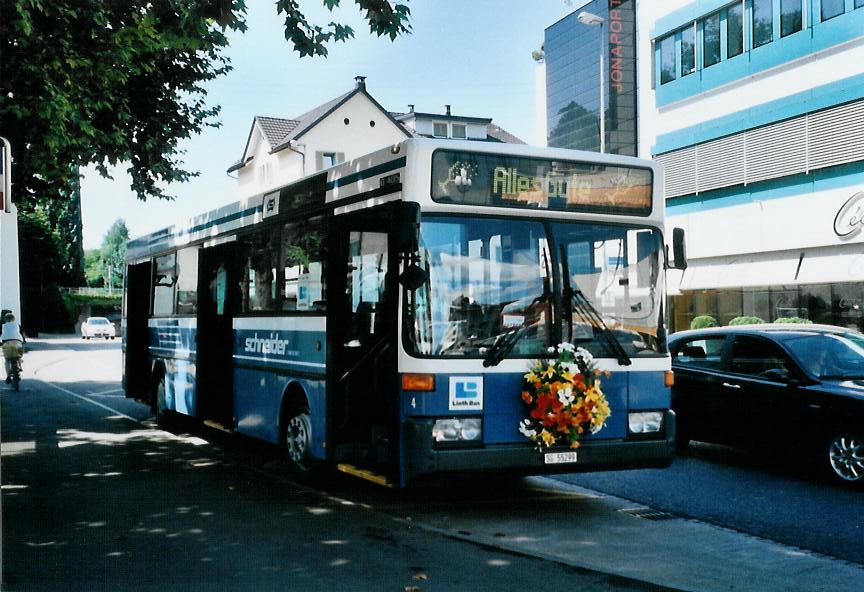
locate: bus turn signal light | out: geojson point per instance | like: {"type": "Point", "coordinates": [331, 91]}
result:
{"type": "Point", "coordinates": [669, 379]}
{"type": "Point", "coordinates": [418, 382]}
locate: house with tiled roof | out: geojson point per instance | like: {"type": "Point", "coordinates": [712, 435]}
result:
{"type": "Point", "coordinates": [279, 151]}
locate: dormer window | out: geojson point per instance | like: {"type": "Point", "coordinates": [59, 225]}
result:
{"type": "Point", "coordinates": [439, 130]}
{"type": "Point", "coordinates": [460, 131]}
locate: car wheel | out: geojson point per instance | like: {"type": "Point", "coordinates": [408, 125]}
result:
{"type": "Point", "coordinates": [297, 439]}
{"type": "Point", "coordinates": [846, 458]}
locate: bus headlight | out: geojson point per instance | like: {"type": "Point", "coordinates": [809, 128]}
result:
{"type": "Point", "coordinates": [645, 422]}
{"type": "Point", "coordinates": [457, 429]}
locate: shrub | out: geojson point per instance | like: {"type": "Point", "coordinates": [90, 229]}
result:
{"type": "Point", "coordinates": [798, 320]}
{"type": "Point", "coordinates": [703, 321]}
{"type": "Point", "coordinates": [744, 320]}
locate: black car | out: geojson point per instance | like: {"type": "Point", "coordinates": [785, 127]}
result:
{"type": "Point", "coordinates": [778, 389]}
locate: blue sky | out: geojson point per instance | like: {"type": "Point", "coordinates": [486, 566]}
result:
{"type": "Point", "coordinates": [474, 55]}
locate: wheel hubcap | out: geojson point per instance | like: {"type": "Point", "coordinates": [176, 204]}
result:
{"type": "Point", "coordinates": [847, 457]}
{"type": "Point", "coordinates": [297, 438]}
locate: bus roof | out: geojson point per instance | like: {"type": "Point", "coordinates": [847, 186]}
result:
{"type": "Point", "coordinates": [371, 179]}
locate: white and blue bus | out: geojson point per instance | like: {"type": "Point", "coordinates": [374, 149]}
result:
{"type": "Point", "coordinates": [379, 316]}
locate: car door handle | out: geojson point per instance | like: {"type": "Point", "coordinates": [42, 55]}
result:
{"type": "Point", "coordinates": [730, 385]}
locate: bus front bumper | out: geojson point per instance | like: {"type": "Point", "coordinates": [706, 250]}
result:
{"type": "Point", "coordinates": [424, 459]}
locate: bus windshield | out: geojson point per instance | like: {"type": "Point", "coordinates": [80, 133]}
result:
{"type": "Point", "coordinates": [491, 278]}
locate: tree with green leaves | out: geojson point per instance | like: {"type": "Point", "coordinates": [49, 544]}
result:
{"type": "Point", "coordinates": [88, 82]}
{"type": "Point", "coordinates": [113, 252]}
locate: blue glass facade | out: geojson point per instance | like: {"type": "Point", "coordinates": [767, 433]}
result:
{"type": "Point", "coordinates": [573, 79]}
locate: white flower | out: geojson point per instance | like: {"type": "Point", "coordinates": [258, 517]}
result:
{"type": "Point", "coordinates": [584, 354]}
{"type": "Point", "coordinates": [525, 431]}
{"type": "Point", "coordinates": [570, 367]}
{"type": "Point", "coordinates": [550, 350]}
{"type": "Point", "coordinates": [562, 347]}
{"type": "Point", "coordinates": [566, 396]}
{"type": "Point", "coordinates": [597, 428]}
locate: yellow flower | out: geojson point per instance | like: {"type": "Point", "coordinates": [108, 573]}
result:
{"type": "Point", "coordinates": [549, 372]}
{"type": "Point", "coordinates": [531, 377]}
{"type": "Point", "coordinates": [548, 438]}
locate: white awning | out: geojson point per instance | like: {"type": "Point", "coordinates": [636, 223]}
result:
{"type": "Point", "coordinates": [840, 264]}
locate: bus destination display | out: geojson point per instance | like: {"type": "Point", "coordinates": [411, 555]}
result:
{"type": "Point", "coordinates": [511, 181]}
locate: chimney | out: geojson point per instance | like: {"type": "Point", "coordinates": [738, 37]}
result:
{"type": "Point", "coordinates": [360, 82]}
{"type": "Point", "coordinates": [410, 108]}
{"type": "Point", "coordinates": [448, 109]}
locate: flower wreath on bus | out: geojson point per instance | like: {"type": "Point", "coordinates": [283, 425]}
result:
{"type": "Point", "coordinates": [563, 398]}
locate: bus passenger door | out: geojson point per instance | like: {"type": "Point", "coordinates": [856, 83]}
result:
{"type": "Point", "coordinates": [217, 302]}
{"type": "Point", "coordinates": [136, 311]}
{"type": "Point", "coordinates": [363, 401]}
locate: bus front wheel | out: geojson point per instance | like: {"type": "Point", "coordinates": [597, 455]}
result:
{"type": "Point", "coordinates": [298, 441]}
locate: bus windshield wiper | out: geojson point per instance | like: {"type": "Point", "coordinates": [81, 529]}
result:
{"type": "Point", "coordinates": [576, 301]}
{"type": "Point", "coordinates": [505, 342]}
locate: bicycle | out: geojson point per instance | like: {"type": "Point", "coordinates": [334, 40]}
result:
{"type": "Point", "coordinates": [15, 372]}
{"type": "Point", "coordinates": [13, 352]}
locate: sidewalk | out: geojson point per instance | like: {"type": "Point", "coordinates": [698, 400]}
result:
{"type": "Point", "coordinates": [617, 537]}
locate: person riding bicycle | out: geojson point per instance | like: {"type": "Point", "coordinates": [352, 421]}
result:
{"type": "Point", "coordinates": [13, 344]}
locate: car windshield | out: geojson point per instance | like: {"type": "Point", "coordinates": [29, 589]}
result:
{"type": "Point", "coordinates": [494, 284]}
{"type": "Point", "coordinates": [98, 321]}
{"type": "Point", "coordinates": [827, 356]}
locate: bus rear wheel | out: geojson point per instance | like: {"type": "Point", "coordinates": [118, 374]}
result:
{"type": "Point", "coordinates": [298, 441]}
{"type": "Point", "coordinates": [160, 407]}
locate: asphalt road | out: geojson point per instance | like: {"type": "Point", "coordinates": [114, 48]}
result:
{"type": "Point", "coordinates": [765, 495]}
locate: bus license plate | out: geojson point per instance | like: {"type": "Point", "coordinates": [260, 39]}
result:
{"type": "Point", "coordinates": [555, 458]}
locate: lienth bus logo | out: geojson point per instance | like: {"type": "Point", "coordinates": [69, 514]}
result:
{"type": "Point", "coordinates": [466, 392]}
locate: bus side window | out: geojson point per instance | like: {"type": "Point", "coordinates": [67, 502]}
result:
{"type": "Point", "coordinates": [367, 269]}
{"type": "Point", "coordinates": [163, 285]}
{"type": "Point", "coordinates": [302, 257]}
{"type": "Point", "coordinates": [261, 273]}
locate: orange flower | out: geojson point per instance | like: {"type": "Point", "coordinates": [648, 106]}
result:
{"type": "Point", "coordinates": [575, 443]}
{"type": "Point", "coordinates": [526, 396]}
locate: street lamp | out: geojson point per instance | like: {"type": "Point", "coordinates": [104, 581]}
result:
{"type": "Point", "coordinates": [589, 18]}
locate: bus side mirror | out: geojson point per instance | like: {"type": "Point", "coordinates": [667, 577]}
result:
{"type": "Point", "coordinates": [406, 228]}
{"type": "Point", "coordinates": [679, 255]}
{"type": "Point", "coordinates": [414, 277]}
{"type": "Point", "coordinates": [406, 233]}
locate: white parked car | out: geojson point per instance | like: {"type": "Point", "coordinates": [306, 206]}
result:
{"type": "Point", "coordinates": [97, 327]}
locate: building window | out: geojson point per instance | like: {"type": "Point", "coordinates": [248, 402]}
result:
{"type": "Point", "coordinates": [831, 8]}
{"type": "Point", "coordinates": [763, 22]}
{"type": "Point", "coordinates": [734, 30]}
{"type": "Point", "coordinates": [439, 130]}
{"type": "Point", "coordinates": [667, 59]}
{"type": "Point", "coordinates": [859, 3]}
{"type": "Point", "coordinates": [328, 159]}
{"type": "Point", "coordinates": [460, 131]}
{"type": "Point", "coordinates": [791, 17]}
{"type": "Point", "coordinates": [711, 40]}
{"type": "Point", "coordinates": [688, 50]}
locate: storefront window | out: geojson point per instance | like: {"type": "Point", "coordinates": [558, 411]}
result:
{"type": "Point", "coordinates": [829, 304]}
{"type": "Point", "coordinates": [846, 305]}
